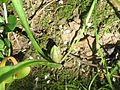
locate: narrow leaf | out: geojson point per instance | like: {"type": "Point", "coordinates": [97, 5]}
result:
{"type": "Point", "coordinates": [12, 22]}
{"type": "Point", "coordinates": [8, 71]}
{"type": "Point", "coordinates": [19, 9]}
{"type": "Point", "coordinates": [22, 73]}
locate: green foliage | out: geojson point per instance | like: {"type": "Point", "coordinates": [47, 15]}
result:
{"type": "Point", "coordinates": [19, 9]}
{"type": "Point", "coordinates": [3, 1]}
{"type": "Point", "coordinates": [1, 19]}
{"type": "Point", "coordinates": [7, 43]}
{"type": "Point", "coordinates": [2, 44]}
{"type": "Point", "coordinates": [1, 56]}
{"type": "Point", "coordinates": [12, 22]}
{"type": "Point", "coordinates": [9, 80]}
{"type": "Point", "coordinates": [11, 25]}
{"type": "Point", "coordinates": [22, 73]}
{"type": "Point", "coordinates": [2, 86]}
{"type": "Point", "coordinates": [117, 1]}
{"type": "Point", "coordinates": [85, 6]}
{"type": "Point", "coordinates": [66, 11]}
{"type": "Point", "coordinates": [44, 22]}
{"type": "Point", "coordinates": [55, 54]}
{"type": "Point", "coordinates": [8, 71]}
{"type": "Point", "coordinates": [115, 68]}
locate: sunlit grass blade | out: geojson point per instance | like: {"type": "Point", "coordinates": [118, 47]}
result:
{"type": "Point", "coordinates": [6, 72]}
{"type": "Point", "coordinates": [83, 87]}
{"type": "Point", "coordinates": [19, 9]}
{"type": "Point", "coordinates": [2, 86]}
{"type": "Point", "coordinates": [89, 88]}
{"type": "Point", "coordinates": [74, 43]}
{"type": "Point", "coordinates": [100, 52]}
{"type": "Point", "coordinates": [115, 68]}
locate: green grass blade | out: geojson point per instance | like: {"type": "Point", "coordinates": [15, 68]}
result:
{"type": "Point", "coordinates": [100, 52]}
{"type": "Point", "coordinates": [109, 80]}
{"type": "Point", "coordinates": [82, 31]}
{"type": "Point", "coordinates": [7, 71]}
{"type": "Point", "coordinates": [117, 1]}
{"type": "Point", "coordinates": [115, 68]}
{"type": "Point", "coordinates": [2, 86]}
{"type": "Point", "coordinates": [90, 12]}
{"type": "Point", "coordinates": [89, 88]}
{"type": "Point", "coordinates": [83, 87]}
{"type": "Point", "coordinates": [19, 9]}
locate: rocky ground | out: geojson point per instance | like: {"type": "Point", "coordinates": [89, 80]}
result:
{"type": "Point", "coordinates": [59, 22]}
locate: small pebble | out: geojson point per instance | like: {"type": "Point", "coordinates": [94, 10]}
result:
{"type": "Point", "coordinates": [83, 70]}
{"type": "Point", "coordinates": [48, 81]}
{"type": "Point", "coordinates": [23, 50]}
{"type": "Point", "coordinates": [30, 57]}
{"type": "Point", "coordinates": [111, 50]}
{"type": "Point", "coordinates": [1, 30]}
{"type": "Point", "coordinates": [89, 24]}
{"type": "Point", "coordinates": [65, 42]}
{"type": "Point", "coordinates": [30, 43]}
{"type": "Point", "coordinates": [46, 76]}
{"type": "Point", "coordinates": [36, 79]}
{"type": "Point", "coordinates": [68, 31]}
{"type": "Point", "coordinates": [60, 2]}
{"type": "Point", "coordinates": [60, 26]}
{"type": "Point", "coordinates": [114, 79]}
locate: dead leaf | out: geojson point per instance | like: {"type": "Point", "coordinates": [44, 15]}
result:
{"type": "Point", "coordinates": [68, 36]}
{"type": "Point", "coordinates": [77, 20]}
{"type": "Point", "coordinates": [74, 25]}
{"type": "Point", "coordinates": [85, 43]}
{"type": "Point", "coordinates": [76, 12]}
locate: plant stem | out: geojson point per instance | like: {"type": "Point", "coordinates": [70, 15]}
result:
{"type": "Point", "coordinates": [77, 39]}
{"type": "Point", "coordinates": [89, 88]}
{"type": "Point", "coordinates": [9, 50]}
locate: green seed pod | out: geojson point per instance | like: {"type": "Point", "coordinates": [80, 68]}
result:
{"type": "Point", "coordinates": [55, 54]}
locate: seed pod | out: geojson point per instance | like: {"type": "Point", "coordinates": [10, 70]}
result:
{"type": "Point", "coordinates": [55, 54]}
